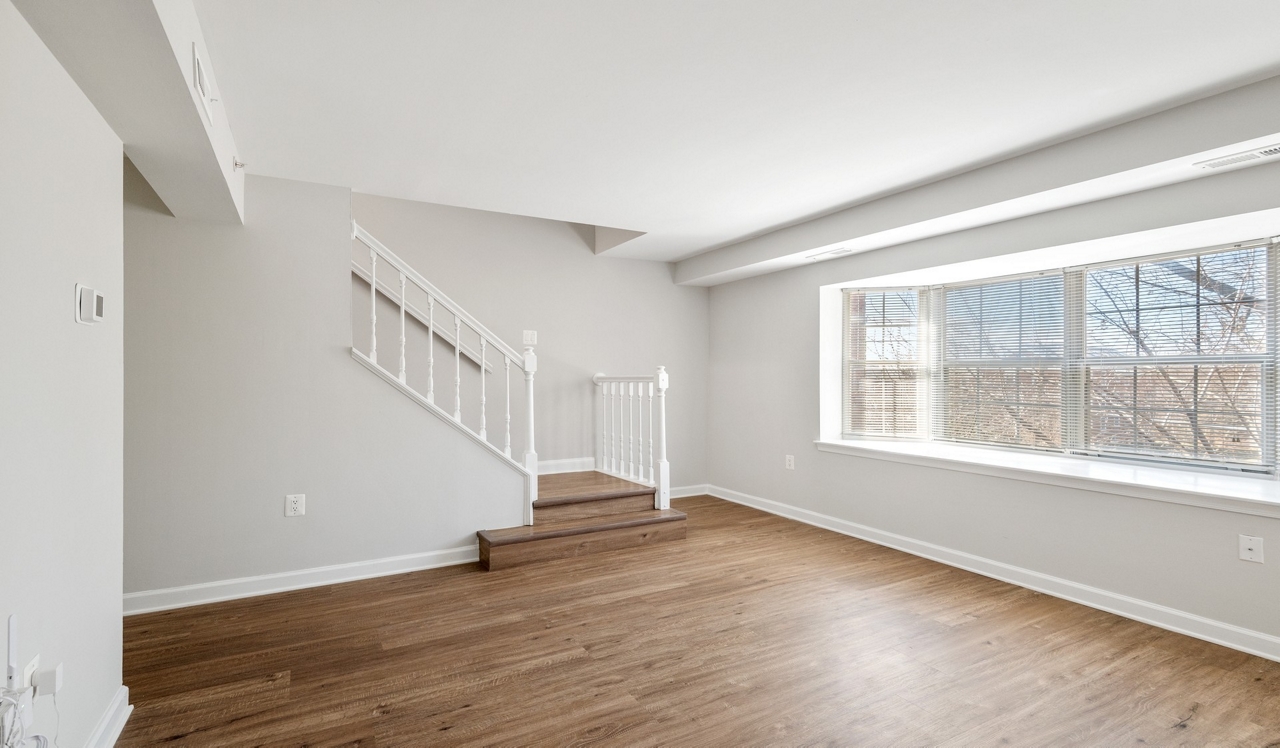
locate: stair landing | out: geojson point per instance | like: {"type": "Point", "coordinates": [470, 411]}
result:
{"type": "Point", "coordinates": [581, 513]}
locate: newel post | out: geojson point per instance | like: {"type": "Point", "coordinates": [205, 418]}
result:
{"type": "Point", "coordinates": [530, 453]}
{"type": "Point", "coordinates": [662, 497]}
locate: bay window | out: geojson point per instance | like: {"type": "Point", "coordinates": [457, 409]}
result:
{"type": "Point", "coordinates": [1169, 358]}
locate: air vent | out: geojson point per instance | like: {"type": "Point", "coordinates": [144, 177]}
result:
{"type": "Point", "coordinates": [1240, 158]}
{"type": "Point", "coordinates": [829, 254]}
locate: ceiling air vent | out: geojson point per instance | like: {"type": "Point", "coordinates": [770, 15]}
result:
{"type": "Point", "coordinates": [1240, 158]}
{"type": "Point", "coordinates": [829, 254]}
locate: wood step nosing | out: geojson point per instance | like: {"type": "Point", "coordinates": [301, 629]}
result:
{"type": "Point", "coordinates": [582, 530]}
{"type": "Point", "coordinates": [543, 503]}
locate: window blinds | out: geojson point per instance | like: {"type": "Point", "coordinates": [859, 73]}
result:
{"type": "Point", "coordinates": [1170, 358]}
{"type": "Point", "coordinates": [883, 363]}
{"type": "Point", "coordinates": [1178, 359]}
{"type": "Point", "coordinates": [1001, 363]}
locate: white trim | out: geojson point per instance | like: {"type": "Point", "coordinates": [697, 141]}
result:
{"type": "Point", "coordinates": [1218, 632]}
{"type": "Point", "coordinates": [357, 232]}
{"type": "Point", "coordinates": [423, 319]}
{"type": "Point", "coordinates": [232, 589]}
{"type": "Point", "coordinates": [1258, 496]}
{"type": "Point", "coordinates": [570, 465]}
{"type": "Point", "coordinates": [684, 492]}
{"type": "Point", "coordinates": [111, 724]}
{"type": "Point", "coordinates": [413, 395]}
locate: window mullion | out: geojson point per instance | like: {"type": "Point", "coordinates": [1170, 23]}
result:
{"type": "Point", "coordinates": [1075, 406]}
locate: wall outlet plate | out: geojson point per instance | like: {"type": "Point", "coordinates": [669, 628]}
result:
{"type": "Point", "coordinates": [1251, 548]}
{"type": "Point", "coordinates": [295, 504]}
{"type": "Point", "coordinates": [30, 670]}
{"type": "Point", "coordinates": [791, 462]}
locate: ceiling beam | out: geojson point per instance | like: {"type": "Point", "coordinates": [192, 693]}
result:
{"type": "Point", "coordinates": [1076, 169]}
{"type": "Point", "coordinates": [135, 60]}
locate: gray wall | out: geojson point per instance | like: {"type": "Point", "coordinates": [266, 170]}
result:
{"type": "Point", "coordinates": [593, 313]}
{"type": "Point", "coordinates": [61, 405]}
{"type": "Point", "coordinates": [241, 388]}
{"type": "Point", "coordinates": [764, 405]}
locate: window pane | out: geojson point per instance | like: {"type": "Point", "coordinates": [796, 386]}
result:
{"type": "Point", "coordinates": [1193, 411]}
{"type": "Point", "coordinates": [1209, 304]}
{"type": "Point", "coordinates": [883, 399]}
{"type": "Point", "coordinates": [882, 363]}
{"type": "Point", "coordinates": [1008, 319]}
{"type": "Point", "coordinates": [1004, 405]}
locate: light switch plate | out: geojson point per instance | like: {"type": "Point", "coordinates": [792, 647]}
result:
{"type": "Point", "coordinates": [530, 337]}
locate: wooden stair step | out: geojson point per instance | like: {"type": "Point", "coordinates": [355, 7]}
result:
{"type": "Point", "coordinates": [565, 496]}
{"type": "Point", "coordinates": [512, 546]}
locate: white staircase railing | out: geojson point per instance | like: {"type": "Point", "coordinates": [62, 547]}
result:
{"type": "Point", "coordinates": [621, 450]}
{"type": "Point", "coordinates": [397, 294]}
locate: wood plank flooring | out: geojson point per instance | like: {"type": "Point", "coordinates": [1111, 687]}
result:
{"type": "Point", "coordinates": [754, 631]}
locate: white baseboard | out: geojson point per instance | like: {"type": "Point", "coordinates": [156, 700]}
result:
{"type": "Point", "coordinates": [1218, 632]}
{"type": "Point", "coordinates": [571, 465]}
{"type": "Point", "coordinates": [112, 722]}
{"type": "Point", "coordinates": [697, 489]}
{"type": "Point", "coordinates": [230, 589]}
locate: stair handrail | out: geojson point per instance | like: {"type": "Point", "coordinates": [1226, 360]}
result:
{"type": "Point", "coordinates": [526, 362]}
{"type": "Point", "coordinates": [617, 450]}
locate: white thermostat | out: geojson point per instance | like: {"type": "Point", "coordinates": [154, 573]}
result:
{"type": "Point", "coordinates": [89, 305]}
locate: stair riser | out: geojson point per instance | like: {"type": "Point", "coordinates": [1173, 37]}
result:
{"type": "Point", "coordinates": [598, 508]}
{"type": "Point", "coordinates": [516, 554]}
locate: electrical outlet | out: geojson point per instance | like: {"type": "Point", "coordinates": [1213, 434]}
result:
{"type": "Point", "coordinates": [29, 671]}
{"type": "Point", "coordinates": [791, 462]}
{"type": "Point", "coordinates": [295, 504]}
{"type": "Point", "coordinates": [1251, 548]}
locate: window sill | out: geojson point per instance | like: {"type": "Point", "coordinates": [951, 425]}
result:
{"type": "Point", "coordinates": [1258, 496]}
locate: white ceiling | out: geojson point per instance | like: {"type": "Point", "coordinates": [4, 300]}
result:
{"type": "Point", "coordinates": [699, 123]}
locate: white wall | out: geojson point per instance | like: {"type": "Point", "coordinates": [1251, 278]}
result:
{"type": "Point", "coordinates": [764, 404]}
{"type": "Point", "coordinates": [240, 388]}
{"type": "Point", "coordinates": [593, 313]}
{"type": "Point", "coordinates": [62, 399]}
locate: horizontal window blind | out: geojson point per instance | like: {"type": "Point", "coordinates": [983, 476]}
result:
{"type": "Point", "coordinates": [1178, 361]}
{"type": "Point", "coordinates": [883, 363]}
{"type": "Point", "coordinates": [1168, 358]}
{"type": "Point", "coordinates": [1002, 357]}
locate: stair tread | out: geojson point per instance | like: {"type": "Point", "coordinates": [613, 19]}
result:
{"type": "Point", "coordinates": [573, 488]}
{"type": "Point", "coordinates": [528, 533]}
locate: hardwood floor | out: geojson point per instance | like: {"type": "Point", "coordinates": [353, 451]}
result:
{"type": "Point", "coordinates": [754, 631]}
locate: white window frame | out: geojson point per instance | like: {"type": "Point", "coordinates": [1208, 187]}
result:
{"type": "Point", "coordinates": [1075, 359]}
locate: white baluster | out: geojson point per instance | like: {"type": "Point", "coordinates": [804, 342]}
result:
{"type": "Point", "coordinates": [482, 416]}
{"type": "Point", "coordinates": [650, 387]}
{"type": "Point", "coordinates": [600, 421]}
{"type": "Point", "coordinates": [622, 428]}
{"type": "Point", "coordinates": [609, 462]}
{"type": "Point", "coordinates": [640, 432]}
{"type": "Point", "coordinates": [662, 497]}
{"type": "Point", "coordinates": [431, 349]}
{"type": "Point", "coordinates": [402, 378]}
{"type": "Point", "coordinates": [631, 429]}
{"type": "Point", "coordinates": [506, 449]}
{"type": "Point", "coordinates": [530, 454]}
{"type": "Point", "coordinates": [457, 368]}
{"type": "Point", "coordinates": [617, 426]}
{"type": "Point", "coordinates": [373, 306]}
